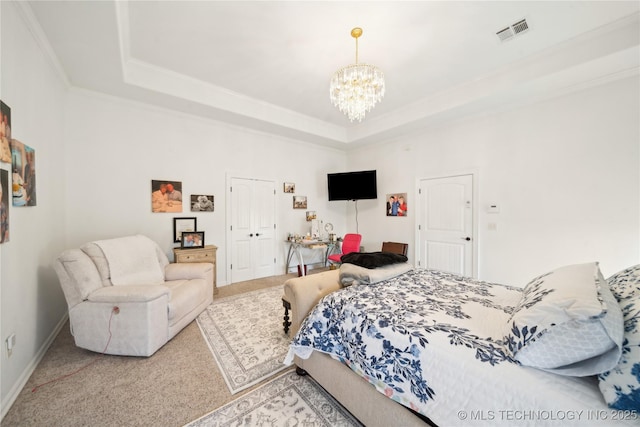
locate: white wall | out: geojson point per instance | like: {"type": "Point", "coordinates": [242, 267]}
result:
{"type": "Point", "coordinates": [116, 147]}
{"type": "Point", "coordinates": [31, 299]}
{"type": "Point", "coordinates": [565, 173]}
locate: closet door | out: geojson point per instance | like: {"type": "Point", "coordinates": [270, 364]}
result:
{"type": "Point", "coordinates": [252, 229]}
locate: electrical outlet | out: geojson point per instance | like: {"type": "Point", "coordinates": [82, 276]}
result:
{"type": "Point", "coordinates": [11, 342]}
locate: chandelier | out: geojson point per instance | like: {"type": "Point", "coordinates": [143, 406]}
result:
{"type": "Point", "coordinates": [355, 89]}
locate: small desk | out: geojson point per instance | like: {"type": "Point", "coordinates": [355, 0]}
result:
{"type": "Point", "coordinates": [294, 248]}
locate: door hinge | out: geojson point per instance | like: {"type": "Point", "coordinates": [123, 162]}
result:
{"type": "Point", "coordinates": [230, 266]}
{"type": "Point", "coordinates": [419, 227]}
{"type": "Point", "coordinates": [230, 189]}
{"type": "Point", "coordinates": [231, 228]}
{"type": "Point", "coordinates": [419, 190]}
{"type": "Point", "coordinates": [274, 260]}
{"type": "Point", "coordinates": [274, 226]}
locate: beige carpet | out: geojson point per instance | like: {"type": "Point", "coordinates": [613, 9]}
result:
{"type": "Point", "coordinates": [178, 384]}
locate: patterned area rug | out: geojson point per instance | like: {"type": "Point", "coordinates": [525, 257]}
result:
{"type": "Point", "coordinates": [244, 333]}
{"type": "Point", "coordinates": [288, 400]}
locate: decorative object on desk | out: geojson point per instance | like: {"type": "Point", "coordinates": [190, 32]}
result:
{"type": "Point", "coordinates": [4, 206]}
{"type": "Point", "coordinates": [245, 336]}
{"type": "Point", "coordinates": [289, 187]}
{"type": "Point", "coordinates": [23, 163]}
{"type": "Point", "coordinates": [299, 202]}
{"type": "Point", "coordinates": [181, 225]}
{"type": "Point", "coordinates": [315, 228]}
{"type": "Point", "coordinates": [166, 196]}
{"type": "Point", "coordinates": [5, 133]}
{"type": "Point", "coordinates": [311, 215]}
{"type": "Point", "coordinates": [192, 239]}
{"type": "Point", "coordinates": [201, 203]}
{"type": "Point", "coordinates": [397, 204]}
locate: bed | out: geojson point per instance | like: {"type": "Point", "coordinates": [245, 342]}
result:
{"type": "Point", "coordinates": [457, 351]}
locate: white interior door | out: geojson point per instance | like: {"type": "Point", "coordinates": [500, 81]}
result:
{"type": "Point", "coordinates": [446, 224]}
{"type": "Point", "coordinates": [252, 229]}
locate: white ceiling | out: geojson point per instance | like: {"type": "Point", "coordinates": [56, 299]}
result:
{"type": "Point", "coordinates": [266, 65]}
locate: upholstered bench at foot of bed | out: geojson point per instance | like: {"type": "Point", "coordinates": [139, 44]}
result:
{"type": "Point", "coordinates": [301, 294]}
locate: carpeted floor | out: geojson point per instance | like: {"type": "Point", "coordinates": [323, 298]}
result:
{"type": "Point", "coordinates": [178, 384]}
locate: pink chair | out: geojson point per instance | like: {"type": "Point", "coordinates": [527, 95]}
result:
{"type": "Point", "coordinates": [350, 243]}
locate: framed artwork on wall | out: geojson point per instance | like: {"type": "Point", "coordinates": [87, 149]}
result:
{"type": "Point", "coordinates": [23, 164]}
{"type": "Point", "coordinates": [396, 204]}
{"type": "Point", "coordinates": [5, 133]}
{"type": "Point", "coordinates": [201, 203]}
{"type": "Point", "coordinates": [299, 202]}
{"type": "Point", "coordinates": [181, 225]}
{"type": "Point", "coordinates": [166, 196]}
{"type": "Point", "coordinates": [192, 240]}
{"type": "Point", "coordinates": [289, 187]}
{"type": "Point", "coordinates": [4, 206]}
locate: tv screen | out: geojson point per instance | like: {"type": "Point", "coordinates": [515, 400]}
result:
{"type": "Point", "coordinates": [352, 185]}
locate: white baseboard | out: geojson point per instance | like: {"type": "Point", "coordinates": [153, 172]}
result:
{"type": "Point", "coordinates": [11, 397]}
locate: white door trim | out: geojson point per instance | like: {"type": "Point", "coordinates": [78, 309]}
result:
{"type": "Point", "coordinates": [475, 178]}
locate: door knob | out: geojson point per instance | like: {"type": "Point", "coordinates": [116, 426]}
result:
{"type": "Point", "coordinates": [257, 234]}
{"type": "Point", "coordinates": [251, 235]}
{"type": "Point", "coordinates": [468, 239]}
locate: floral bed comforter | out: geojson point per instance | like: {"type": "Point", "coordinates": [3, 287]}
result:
{"type": "Point", "coordinates": [433, 342]}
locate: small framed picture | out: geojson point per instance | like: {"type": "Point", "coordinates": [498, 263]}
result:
{"type": "Point", "coordinates": [289, 187]}
{"type": "Point", "coordinates": [201, 203]}
{"type": "Point", "coordinates": [397, 204]}
{"type": "Point", "coordinates": [192, 239]}
{"type": "Point", "coordinates": [180, 225]}
{"type": "Point", "coordinates": [311, 215]}
{"type": "Point", "coordinates": [299, 202]}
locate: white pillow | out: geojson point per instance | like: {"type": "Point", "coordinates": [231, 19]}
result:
{"type": "Point", "coordinates": [568, 322]}
{"type": "Point", "coordinates": [621, 386]}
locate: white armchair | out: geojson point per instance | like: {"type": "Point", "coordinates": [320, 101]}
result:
{"type": "Point", "coordinates": [130, 319]}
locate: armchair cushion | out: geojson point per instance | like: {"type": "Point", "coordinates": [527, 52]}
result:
{"type": "Point", "coordinates": [187, 270]}
{"type": "Point", "coordinates": [94, 252]}
{"type": "Point", "coordinates": [134, 293]}
{"type": "Point", "coordinates": [78, 276]}
{"type": "Point", "coordinates": [132, 260]}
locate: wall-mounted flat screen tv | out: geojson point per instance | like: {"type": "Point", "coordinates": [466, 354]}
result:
{"type": "Point", "coordinates": [352, 185]}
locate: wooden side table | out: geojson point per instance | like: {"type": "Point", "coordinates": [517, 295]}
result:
{"type": "Point", "coordinates": [206, 254]}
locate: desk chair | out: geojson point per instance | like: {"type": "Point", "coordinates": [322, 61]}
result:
{"type": "Point", "coordinates": [350, 243]}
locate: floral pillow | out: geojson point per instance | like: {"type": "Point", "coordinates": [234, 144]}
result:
{"type": "Point", "coordinates": [621, 385]}
{"type": "Point", "coordinates": [567, 322]}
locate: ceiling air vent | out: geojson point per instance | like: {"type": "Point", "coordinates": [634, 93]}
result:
{"type": "Point", "coordinates": [513, 30]}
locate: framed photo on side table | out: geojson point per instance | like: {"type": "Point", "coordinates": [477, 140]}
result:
{"type": "Point", "coordinates": [181, 225]}
{"type": "Point", "coordinates": [192, 240]}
